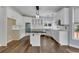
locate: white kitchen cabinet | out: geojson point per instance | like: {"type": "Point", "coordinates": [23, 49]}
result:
{"type": "Point", "coordinates": [76, 14]}
{"type": "Point", "coordinates": [47, 23]}
{"type": "Point", "coordinates": [37, 23]}
{"type": "Point", "coordinates": [35, 39]}
{"type": "Point", "coordinates": [63, 37]}
{"type": "Point", "coordinates": [63, 15]}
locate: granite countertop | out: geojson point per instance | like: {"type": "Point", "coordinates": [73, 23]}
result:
{"type": "Point", "coordinates": [36, 32]}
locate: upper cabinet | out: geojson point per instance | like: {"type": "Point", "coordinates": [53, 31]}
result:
{"type": "Point", "coordinates": [47, 22]}
{"type": "Point", "coordinates": [63, 15]}
{"type": "Point", "coordinates": [76, 15]}
{"type": "Point", "coordinates": [37, 23]}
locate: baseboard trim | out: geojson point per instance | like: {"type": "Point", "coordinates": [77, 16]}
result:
{"type": "Point", "coordinates": [77, 47]}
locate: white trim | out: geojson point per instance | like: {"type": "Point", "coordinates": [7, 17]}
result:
{"type": "Point", "coordinates": [75, 46]}
{"type": "Point", "coordinates": [9, 41]}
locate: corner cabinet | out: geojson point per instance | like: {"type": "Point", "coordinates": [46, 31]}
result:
{"type": "Point", "coordinates": [63, 15]}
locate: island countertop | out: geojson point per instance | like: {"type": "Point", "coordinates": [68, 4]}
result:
{"type": "Point", "coordinates": [36, 32]}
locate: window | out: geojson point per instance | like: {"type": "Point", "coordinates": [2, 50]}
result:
{"type": "Point", "coordinates": [75, 24]}
{"type": "Point", "coordinates": [45, 24]}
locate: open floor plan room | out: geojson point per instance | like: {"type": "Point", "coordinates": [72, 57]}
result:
{"type": "Point", "coordinates": [39, 29]}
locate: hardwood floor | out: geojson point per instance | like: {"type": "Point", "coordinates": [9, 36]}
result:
{"type": "Point", "coordinates": [35, 49]}
{"type": "Point", "coordinates": [48, 45]}
{"type": "Point", "coordinates": [16, 46]}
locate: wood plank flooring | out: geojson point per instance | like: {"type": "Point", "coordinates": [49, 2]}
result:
{"type": "Point", "coordinates": [48, 45]}
{"type": "Point", "coordinates": [33, 49]}
{"type": "Point", "coordinates": [16, 46]}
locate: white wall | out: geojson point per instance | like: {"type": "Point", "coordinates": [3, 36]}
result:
{"type": "Point", "coordinates": [27, 20]}
{"type": "Point", "coordinates": [3, 28]}
{"type": "Point", "coordinates": [20, 20]}
{"type": "Point", "coordinates": [11, 13]}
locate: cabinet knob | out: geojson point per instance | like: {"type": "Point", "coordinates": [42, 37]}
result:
{"type": "Point", "coordinates": [33, 34]}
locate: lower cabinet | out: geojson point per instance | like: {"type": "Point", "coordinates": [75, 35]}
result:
{"type": "Point", "coordinates": [35, 39]}
{"type": "Point", "coordinates": [63, 37]}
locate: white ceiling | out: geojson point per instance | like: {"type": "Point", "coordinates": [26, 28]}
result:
{"type": "Point", "coordinates": [31, 10]}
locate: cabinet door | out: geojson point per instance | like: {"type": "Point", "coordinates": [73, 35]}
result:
{"type": "Point", "coordinates": [35, 39]}
{"type": "Point", "coordinates": [37, 21]}
{"type": "Point", "coordinates": [37, 24]}
{"type": "Point", "coordinates": [63, 37]}
{"type": "Point", "coordinates": [63, 15]}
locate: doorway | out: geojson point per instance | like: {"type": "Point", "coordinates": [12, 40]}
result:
{"type": "Point", "coordinates": [27, 27]}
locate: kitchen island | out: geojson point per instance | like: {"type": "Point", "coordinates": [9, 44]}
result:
{"type": "Point", "coordinates": [35, 37]}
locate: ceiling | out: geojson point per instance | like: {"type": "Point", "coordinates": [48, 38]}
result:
{"type": "Point", "coordinates": [31, 10]}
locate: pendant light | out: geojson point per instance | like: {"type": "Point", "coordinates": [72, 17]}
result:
{"type": "Point", "coordinates": [37, 12]}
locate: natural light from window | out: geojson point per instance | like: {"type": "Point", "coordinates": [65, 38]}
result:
{"type": "Point", "coordinates": [75, 24]}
